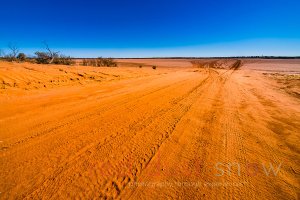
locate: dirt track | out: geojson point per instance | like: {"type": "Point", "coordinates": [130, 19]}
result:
{"type": "Point", "coordinates": [156, 134]}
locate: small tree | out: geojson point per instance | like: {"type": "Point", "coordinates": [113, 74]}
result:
{"type": "Point", "coordinates": [14, 52]}
{"type": "Point", "coordinates": [52, 55]}
{"type": "Point", "coordinates": [21, 57]}
{"type": "Point", "coordinates": [42, 57]}
{"type": "Point", "coordinates": [46, 57]}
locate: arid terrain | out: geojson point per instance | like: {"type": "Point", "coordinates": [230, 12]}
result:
{"type": "Point", "coordinates": [207, 129]}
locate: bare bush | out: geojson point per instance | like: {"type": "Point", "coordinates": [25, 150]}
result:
{"type": "Point", "coordinates": [14, 51]}
{"type": "Point", "coordinates": [45, 58]}
{"type": "Point", "coordinates": [63, 60]}
{"type": "Point", "coordinates": [42, 57]}
{"type": "Point", "coordinates": [52, 55]}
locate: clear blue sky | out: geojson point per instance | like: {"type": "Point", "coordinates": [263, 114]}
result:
{"type": "Point", "coordinates": [141, 28]}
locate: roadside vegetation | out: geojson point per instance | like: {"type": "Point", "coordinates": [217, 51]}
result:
{"type": "Point", "coordinates": [99, 62]}
{"type": "Point", "coordinates": [49, 56]}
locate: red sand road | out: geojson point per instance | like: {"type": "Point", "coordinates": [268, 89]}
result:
{"type": "Point", "coordinates": [128, 133]}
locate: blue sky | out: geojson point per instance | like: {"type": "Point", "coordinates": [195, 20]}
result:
{"type": "Point", "coordinates": [140, 28]}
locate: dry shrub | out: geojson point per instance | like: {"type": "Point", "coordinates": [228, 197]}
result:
{"type": "Point", "coordinates": [99, 62]}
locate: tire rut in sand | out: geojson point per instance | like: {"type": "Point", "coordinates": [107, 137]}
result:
{"type": "Point", "coordinates": [71, 147]}
{"type": "Point", "coordinates": [166, 121]}
{"type": "Point", "coordinates": [194, 148]}
{"type": "Point", "coordinates": [77, 117]}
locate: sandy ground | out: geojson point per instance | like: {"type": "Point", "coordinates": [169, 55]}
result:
{"type": "Point", "coordinates": [136, 133]}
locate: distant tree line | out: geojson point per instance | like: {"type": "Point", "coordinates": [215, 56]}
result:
{"type": "Point", "coordinates": [51, 57]}
{"type": "Point", "coordinates": [41, 57]}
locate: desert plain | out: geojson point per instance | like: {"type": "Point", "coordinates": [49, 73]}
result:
{"type": "Point", "coordinates": [210, 129]}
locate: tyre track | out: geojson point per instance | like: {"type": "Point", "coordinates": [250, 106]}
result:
{"type": "Point", "coordinates": [104, 149]}
{"type": "Point", "coordinates": [71, 119]}
{"type": "Point", "coordinates": [85, 149]}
